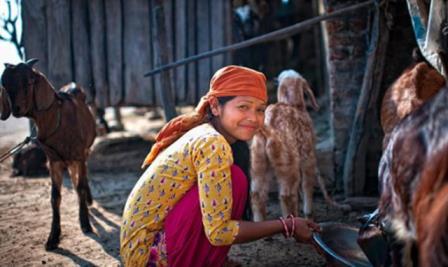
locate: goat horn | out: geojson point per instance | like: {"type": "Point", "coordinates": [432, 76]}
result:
{"type": "Point", "coordinates": [31, 62]}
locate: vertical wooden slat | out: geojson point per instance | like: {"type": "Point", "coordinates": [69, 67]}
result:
{"type": "Point", "coordinates": [81, 47]}
{"type": "Point", "coordinates": [114, 51]}
{"type": "Point", "coordinates": [204, 44]}
{"type": "Point", "coordinates": [217, 32]}
{"type": "Point", "coordinates": [181, 48]}
{"type": "Point", "coordinates": [228, 23]}
{"type": "Point", "coordinates": [156, 79]}
{"type": "Point", "coordinates": [167, 7]}
{"type": "Point", "coordinates": [58, 30]}
{"type": "Point", "coordinates": [192, 84]}
{"type": "Point", "coordinates": [35, 32]}
{"type": "Point", "coordinates": [99, 51]}
{"type": "Point", "coordinates": [137, 58]}
{"type": "Point", "coordinates": [161, 57]}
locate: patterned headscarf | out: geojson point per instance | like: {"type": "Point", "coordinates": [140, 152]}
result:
{"type": "Point", "coordinates": [228, 81]}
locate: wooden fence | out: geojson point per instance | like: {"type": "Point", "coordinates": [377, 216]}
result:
{"type": "Point", "coordinates": [107, 45]}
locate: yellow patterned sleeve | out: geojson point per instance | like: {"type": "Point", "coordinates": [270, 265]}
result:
{"type": "Point", "coordinates": [212, 157]}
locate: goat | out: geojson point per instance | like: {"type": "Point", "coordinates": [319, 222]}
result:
{"type": "Point", "coordinates": [30, 161]}
{"type": "Point", "coordinates": [285, 147]}
{"type": "Point", "coordinates": [66, 130]}
{"type": "Point", "coordinates": [413, 175]}
{"type": "Point", "coordinates": [415, 86]}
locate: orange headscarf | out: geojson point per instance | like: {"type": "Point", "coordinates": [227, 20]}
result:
{"type": "Point", "coordinates": [227, 81]}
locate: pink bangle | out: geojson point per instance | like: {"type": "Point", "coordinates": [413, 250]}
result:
{"type": "Point", "coordinates": [293, 224]}
{"type": "Point", "coordinates": [285, 227]}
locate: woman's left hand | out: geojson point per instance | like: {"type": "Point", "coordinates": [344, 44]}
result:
{"type": "Point", "coordinates": [304, 229]}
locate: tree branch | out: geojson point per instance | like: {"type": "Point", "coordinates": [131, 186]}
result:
{"type": "Point", "coordinates": [9, 25]}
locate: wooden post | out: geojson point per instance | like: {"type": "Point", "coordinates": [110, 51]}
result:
{"type": "Point", "coordinates": [354, 164]}
{"type": "Point", "coordinates": [165, 93]}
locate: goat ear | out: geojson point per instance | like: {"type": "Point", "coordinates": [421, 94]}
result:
{"type": "Point", "coordinates": [8, 65]}
{"type": "Point", "coordinates": [428, 82]}
{"type": "Point", "coordinates": [31, 62]}
{"type": "Point", "coordinates": [282, 94]}
{"type": "Point", "coordinates": [310, 94]}
{"type": "Point", "coordinates": [5, 105]}
{"type": "Point", "coordinates": [44, 93]}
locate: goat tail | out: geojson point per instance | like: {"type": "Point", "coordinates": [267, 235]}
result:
{"type": "Point", "coordinates": [327, 197]}
{"type": "Point", "coordinates": [430, 208]}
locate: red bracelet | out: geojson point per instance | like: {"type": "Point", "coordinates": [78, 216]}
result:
{"type": "Point", "coordinates": [285, 227]}
{"type": "Point", "coordinates": [293, 224]}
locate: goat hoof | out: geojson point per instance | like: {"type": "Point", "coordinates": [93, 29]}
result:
{"type": "Point", "coordinates": [15, 173]}
{"type": "Point", "coordinates": [89, 198]}
{"type": "Point", "coordinates": [86, 229]}
{"type": "Point", "coordinates": [53, 239]}
{"type": "Point", "coordinates": [89, 201]}
{"type": "Point", "coordinates": [51, 245]}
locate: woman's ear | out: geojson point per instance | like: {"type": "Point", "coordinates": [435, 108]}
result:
{"type": "Point", "coordinates": [214, 107]}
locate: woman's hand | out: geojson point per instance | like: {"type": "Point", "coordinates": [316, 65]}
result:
{"type": "Point", "coordinates": [304, 229]}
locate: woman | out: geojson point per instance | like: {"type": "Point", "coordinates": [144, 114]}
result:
{"type": "Point", "coordinates": [186, 208]}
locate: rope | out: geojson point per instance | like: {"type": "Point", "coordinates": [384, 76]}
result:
{"type": "Point", "coordinates": [275, 35]}
{"type": "Point", "coordinates": [15, 149]}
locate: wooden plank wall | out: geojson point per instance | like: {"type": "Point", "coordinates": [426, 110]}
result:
{"type": "Point", "coordinates": [35, 32]}
{"type": "Point", "coordinates": [107, 46]}
{"type": "Point", "coordinates": [82, 63]}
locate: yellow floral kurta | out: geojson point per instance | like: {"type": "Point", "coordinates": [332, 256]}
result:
{"type": "Point", "coordinates": [201, 157]}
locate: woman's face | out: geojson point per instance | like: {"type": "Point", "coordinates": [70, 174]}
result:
{"type": "Point", "coordinates": [239, 118]}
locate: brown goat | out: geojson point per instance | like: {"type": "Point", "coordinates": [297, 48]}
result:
{"type": "Point", "coordinates": [415, 86]}
{"type": "Point", "coordinates": [284, 147]}
{"type": "Point", "coordinates": [66, 130]}
{"type": "Point", "coordinates": [413, 175]}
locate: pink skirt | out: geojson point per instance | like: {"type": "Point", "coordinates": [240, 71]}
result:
{"type": "Point", "coordinates": [186, 242]}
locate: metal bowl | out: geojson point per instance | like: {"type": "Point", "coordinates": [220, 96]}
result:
{"type": "Point", "coordinates": [338, 243]}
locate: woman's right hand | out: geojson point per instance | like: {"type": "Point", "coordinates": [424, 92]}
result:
{"type": "Point", "coordinates": [304, 229]}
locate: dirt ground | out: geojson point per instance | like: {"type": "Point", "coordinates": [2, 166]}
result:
{"type": "Point", "coordinates": [25, 219]}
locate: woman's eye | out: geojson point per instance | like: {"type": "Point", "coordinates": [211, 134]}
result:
{"type": "Point", "coordinates": [243, 107]}
{"type": "Point", "coordinates": [261, 110]}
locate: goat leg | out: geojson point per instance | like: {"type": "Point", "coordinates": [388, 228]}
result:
{"type": "Point", "coordinates": [308, 180]}
{"type": "Point", "coordinates": [56, 169]}
{"type": "Point", "coordinates": [78, 173]}
{"type": "Point", "coordinates": [288, 195]}
{"type": "Point", "coordinates": [259, 195]}
{"type": "Point", "coordinates": [89, 198]}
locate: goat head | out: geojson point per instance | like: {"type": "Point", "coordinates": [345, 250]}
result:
{"type": "Point", "coordinates": [26, 90]}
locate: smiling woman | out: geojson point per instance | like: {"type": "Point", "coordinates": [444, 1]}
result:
{"type": "Point", "coordinates": [239, 117]}
{"type": "Point", "coordinates": [186, 209]}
